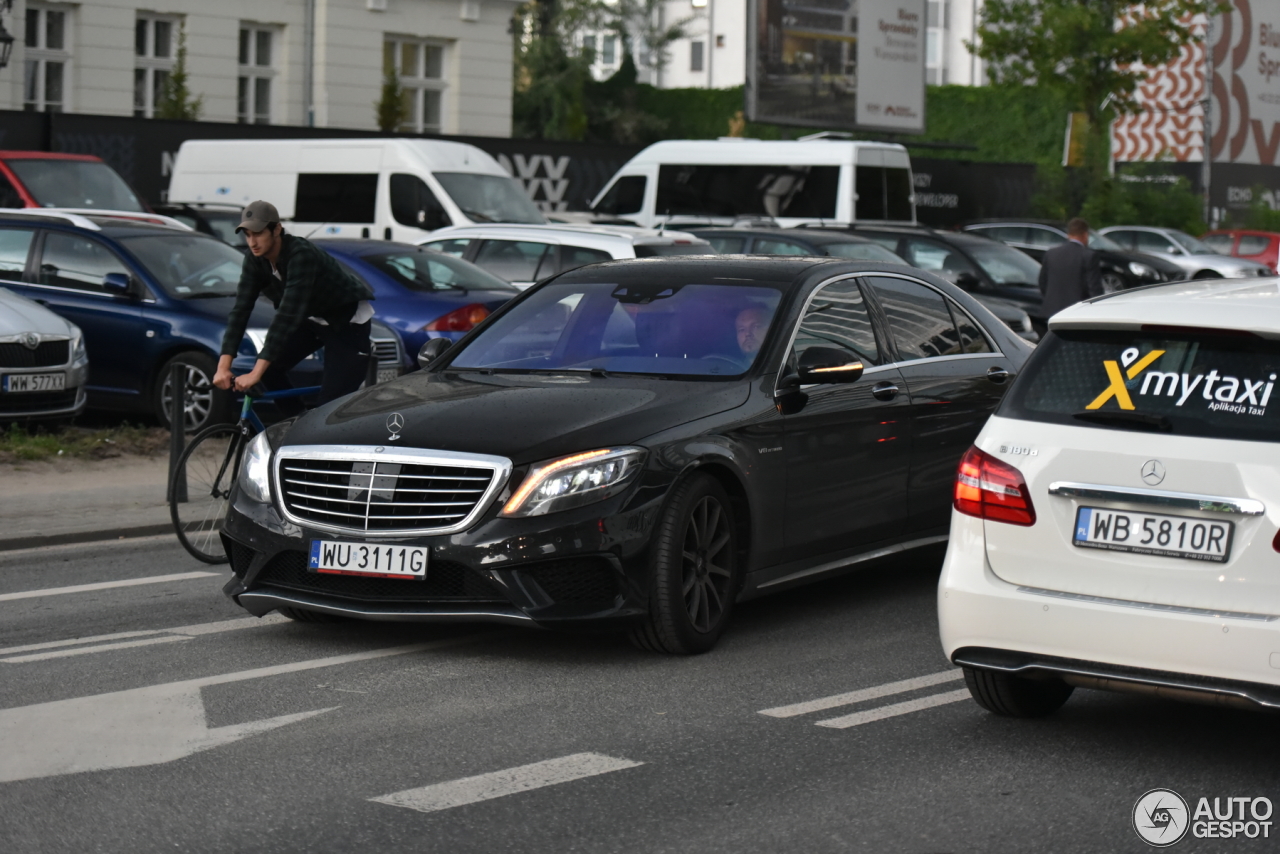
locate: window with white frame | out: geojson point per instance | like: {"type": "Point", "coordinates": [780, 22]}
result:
{"type": "Point", "coordinates": [257, 74]}
{"type": "Point", "coordinates": [155, 47]}
{"type": "Point", "coordinates": [46, 71]}
{"type": "Point", "coordinates": [420, 66]}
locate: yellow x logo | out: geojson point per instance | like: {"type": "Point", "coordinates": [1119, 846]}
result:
{"type": "Point", "coordinates": [1117, 389]}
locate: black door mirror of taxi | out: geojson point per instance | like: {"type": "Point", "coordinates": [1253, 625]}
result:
{"type": "Point", "coordinates": [967, 280]}
{"type": "Point", "coordinates": [118, 284]}
{"type": "Point", "coordinates": [431, 350]}
{"type": "Point", "coordinates": [828, 365]}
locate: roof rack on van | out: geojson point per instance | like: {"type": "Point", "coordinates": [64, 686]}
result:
{"type": "Point", "coordinates": [825, 134]}
{"type": "Point", "coordinates": [43, 214]}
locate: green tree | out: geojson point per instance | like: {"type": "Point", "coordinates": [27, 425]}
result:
{"type": "Point", "coordinates": [639, 25]}
{"type": "Point", "coordinates": [176, 100]}
{"type": "Point", "coordinates": [392, 108]}
{"type": "Point", "coordinates": [1092, 54]}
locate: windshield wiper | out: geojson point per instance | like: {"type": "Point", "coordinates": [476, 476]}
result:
{"type": "Point", "coordinates": [1159, 423]}
{"type": "Point", "coordinates": [477, 215]}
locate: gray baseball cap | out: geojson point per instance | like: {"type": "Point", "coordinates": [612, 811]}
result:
{"type": "Point", "coordinates": [257, 216]}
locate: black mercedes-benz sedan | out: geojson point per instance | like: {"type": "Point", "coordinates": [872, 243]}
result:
{"type": "Point", "coordinates": [636, 445]}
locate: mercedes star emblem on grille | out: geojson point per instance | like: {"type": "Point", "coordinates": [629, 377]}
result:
{"type": "Point", "coordinates": [1153, 472]}
{"type": "Point", "coordinates": [395, 423]}
{"type": "Point", "coordinates": [30, 340]}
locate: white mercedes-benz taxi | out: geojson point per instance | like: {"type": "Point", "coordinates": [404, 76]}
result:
{"type": "Point", "coordinates": [1115, 524]}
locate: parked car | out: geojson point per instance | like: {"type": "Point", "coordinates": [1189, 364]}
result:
{"type": "Point", "coordinates": [421, 293]}
{"type": "Point", "coordinates": [1121, 268]}
{"type": "Point", "coordinates": [215, 220]}
{"type": "Point", "coordinates": [1197, 260]}
{"type": "Point", "coordinates": [1261, 247]}
{"type": "Point", "coordinates": [524, 254]}
{"type": "Point", "coordinates": [1114, 523]}
{"type": "Point", "coordinates": [984, 267]}
{"type": "Point", "coordinates": [147, 296]}
{"type": "Point", "coordinates": [43, 363]}
{"type": "Point", "coordinates": [772, 241]}
{"type": "Point", "coordinates": [634, 444]}
{"type": "Point", "coordinates": [41, 179]}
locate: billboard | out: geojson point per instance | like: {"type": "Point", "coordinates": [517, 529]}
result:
{"type": "Point", "coordinates": [1245, 66]}
{"type": "Point", "coordinates": [856, 64]}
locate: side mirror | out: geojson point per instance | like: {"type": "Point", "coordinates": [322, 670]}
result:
{"type": "Point", "coordinates": [828, 365]}
{"type": "Point", "coordinates": [431, 350]}
{"type": "Point", "coordinates": [433, 219]}
{"type": "Point", "coordinates": [966, 280]}
{"type": "Point", "coordinates": [117, 283]}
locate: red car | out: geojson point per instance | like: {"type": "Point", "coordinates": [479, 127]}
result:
{"type": "Point", "coordinates": [40, 179]}
{"type": "Point", "coordinates": [1260, 246]}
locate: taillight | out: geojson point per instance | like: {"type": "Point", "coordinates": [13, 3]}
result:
{"type": "Point", "coordinates": [990, 489]}
{"type": "Point", "coordinates": [459, 320]}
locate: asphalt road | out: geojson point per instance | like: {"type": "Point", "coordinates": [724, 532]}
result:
{"type": "Point", "coordinates": [156, 715]}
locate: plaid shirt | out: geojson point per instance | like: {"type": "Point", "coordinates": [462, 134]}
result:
{"type": "Point", "coordinates": [313, 285]}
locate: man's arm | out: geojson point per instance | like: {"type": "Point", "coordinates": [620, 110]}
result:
{"type": "Point", "coordinates": [1093, 274]}
{"type": "Point", "coordinates": [237, 320]}
{"type": "Point", "coordinates": [294, 306]}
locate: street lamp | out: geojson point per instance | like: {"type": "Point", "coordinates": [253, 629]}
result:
{"type": "Point", "coordinates": [6, 40]}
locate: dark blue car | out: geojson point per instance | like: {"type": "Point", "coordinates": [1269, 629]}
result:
{"type": "Point", "coordinates": [146, 296]}
{"type": "Point", "coordinates": [421, 293]}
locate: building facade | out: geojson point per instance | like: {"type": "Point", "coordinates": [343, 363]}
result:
{"type": "Point", "coordinates": [291, 62]}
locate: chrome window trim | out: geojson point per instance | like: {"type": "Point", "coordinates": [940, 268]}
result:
{"type": "Point", "coordinates": [1159, 498]}
{"type": "Point", "coordinates": [501, 467]}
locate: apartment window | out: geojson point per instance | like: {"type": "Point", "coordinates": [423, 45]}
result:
{"type": "Point", "coordinates": [155, 45]}
{"type": "Point", "coordinates": [695, 56]}
{"type": "Point", "coordinates": [589, 44]}
{"type": "Point", "coordinates": [610, 51]}
{"type": "Point", "coordinates": [48, 56]}
{"type": "Point", "coordinates": [257, 74]}
{"type": "Point", "coordinates": [420, 65]}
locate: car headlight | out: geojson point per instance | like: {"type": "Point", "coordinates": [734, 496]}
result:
{"type": "Point", "coordinates": [1142, 271]}
{"type": "Point", "coordinates": [574, 480]}
{"type": "Point", "coordinates": [255, 470]}
{"type": "Point", "coordinates": [78, 352]}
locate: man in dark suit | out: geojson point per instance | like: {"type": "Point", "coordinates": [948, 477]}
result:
{"type": "Point", "coordinates": [1070, 272]}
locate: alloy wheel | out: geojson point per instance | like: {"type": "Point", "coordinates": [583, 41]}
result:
{"type": "Point", "coordinates": [197, 398]}
{"type": "Point", "coordinates": [706, 558]}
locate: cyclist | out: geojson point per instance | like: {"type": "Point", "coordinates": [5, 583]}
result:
{"type": "Point", "coordinates": [318, 304]}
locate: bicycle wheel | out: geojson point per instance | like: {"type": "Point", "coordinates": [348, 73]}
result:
{"type": "Point", "coordinates": [210, 464]}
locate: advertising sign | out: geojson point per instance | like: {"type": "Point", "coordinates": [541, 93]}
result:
{"type": "Point", "coordinates": [856, 64]}
{"type": "Point", "coordinates": [1245, 62]}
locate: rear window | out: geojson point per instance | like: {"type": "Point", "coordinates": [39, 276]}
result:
{"type": "Point", "coordinates": [1215, 386]}
{"type": "Point", "coordinates": [75, 184]}
{"type": "Point", "coordinates": [650, 250]}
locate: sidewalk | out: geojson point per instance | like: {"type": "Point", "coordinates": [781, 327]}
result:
{"type": "Point", "coordinates": [70, 501]}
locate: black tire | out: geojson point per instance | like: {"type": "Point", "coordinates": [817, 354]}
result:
{"type": "Point", "coordinates": [210, 465]}
{"type": "Point", "coordinates": [1207, 274]}
{"type": "Point", "coordinates": [1015, 697]}
{"type": "Point", "coordinates": [302, 615]}
{"type": "Point", "coordinates": [204, 404]}
{"type": "Point", "coordinates": [694, 570]}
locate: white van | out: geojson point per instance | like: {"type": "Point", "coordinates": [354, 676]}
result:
{"type": "Point", "coordinates": [394, 189]}
{"type": "Point", "coordinates": [719, 181]}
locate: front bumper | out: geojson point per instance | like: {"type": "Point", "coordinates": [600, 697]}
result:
{"type": "Point", "coordinates": [51, 404]}
{"type": "Point", "coordinates": [583, 567]}
{"type": "Point", "coordinates": [988, 623]}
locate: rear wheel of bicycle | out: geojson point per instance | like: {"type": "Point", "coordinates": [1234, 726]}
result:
{"type": "Point", "coordinates": [210, 465]}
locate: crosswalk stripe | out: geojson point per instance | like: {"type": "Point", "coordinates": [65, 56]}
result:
{"type": "Point", "coordinates": [65, 653]}
{"type": "Point", "coordinates": [872, 693]}
{"type": "Point", "coordinates": [878, 714]}
{"type": "Point", "coordinates": [497, 784]}
{"type": "Point", "coordinates": [185, 631]}
{"type": "Point", "coordinates": [105, 585]}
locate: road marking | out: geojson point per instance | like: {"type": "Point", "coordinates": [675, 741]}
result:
{"type": "Point", "coordinates": [872, 693]}
{"type": "Point", "coordinates": [105, 585]}
{"type": "Point", "coordinates": [65, 653]}
{"type": "Point", "coordinates": [859, 718]}
{"type": "Point", "coordinates": [498, 784]}
{"type": "Point", "coordinates": [183, 633]}
{"type": "Point", "coordinates": [147, 726]}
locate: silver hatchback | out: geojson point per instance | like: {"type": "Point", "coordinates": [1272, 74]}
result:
{"type": "Point", "coordinates": [43, 364]}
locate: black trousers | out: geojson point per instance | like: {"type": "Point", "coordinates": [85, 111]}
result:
{"type": "Point", "coordinates": [346, 361]}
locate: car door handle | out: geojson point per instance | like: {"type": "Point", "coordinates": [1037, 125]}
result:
{"type": "Point", "coordinates": [997, 374]}
{"type": "Point", "coordinates": [884, 391]}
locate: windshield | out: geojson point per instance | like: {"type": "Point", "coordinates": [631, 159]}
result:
{"type": "Point", "coordinates": [862, 252]}
{"type": "Point", "coordinates": [1101, 241]}
{"type": "Point", "coordinates": [489, 198]}
{"type": "Point", "coordinates": [692, 330]}
{"type": "Point", "coordinates": [189, 266]}
{"type": "Point", "coordinates": [423, 270]}
{"type": "Point", "coordinates": [1004, 264]}
{"type": "Point", "coordinates": [75, 184]}
{"type": "Point", "coordinates": [1189, 243]}
{"type": "Point", "coordinates": [650, 250]}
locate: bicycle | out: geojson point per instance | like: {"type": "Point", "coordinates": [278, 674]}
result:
{"type": "Point", "coordinates": [205, 477]}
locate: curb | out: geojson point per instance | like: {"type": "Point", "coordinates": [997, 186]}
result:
{"type": "Point", "coordinates": [15, 543]}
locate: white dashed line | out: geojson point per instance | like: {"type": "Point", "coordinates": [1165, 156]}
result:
{"type": "Point", "coordinates": [859, 718]}
{"type": "Point", "coordinates": [497, 784]}
{"type": "Point", "coordinates": [103, 643]}
{"type": "Point", "coordinates": [872, 693]}
{"type": "Point", "coordinates": [105, 585]}
{"type": "Point", "coordinates": [65, 653]}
